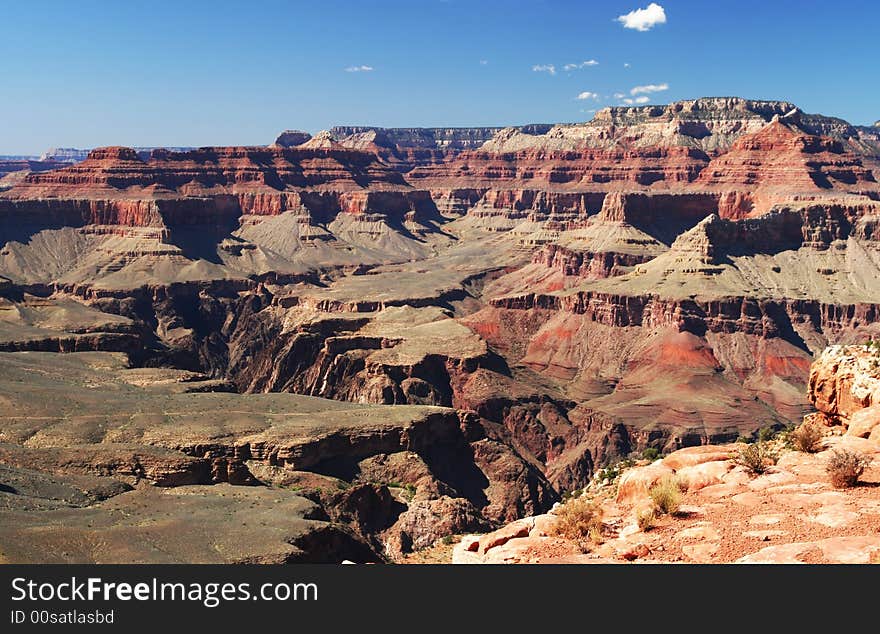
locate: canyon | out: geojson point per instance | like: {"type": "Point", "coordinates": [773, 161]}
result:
{"type": "Point", "coordinates": [354, 344]}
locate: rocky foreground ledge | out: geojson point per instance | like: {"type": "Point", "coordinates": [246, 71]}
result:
{"type": "Point", "coordinates": [726, 513]}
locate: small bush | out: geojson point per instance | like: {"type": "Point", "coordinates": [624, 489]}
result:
{"type": "Point", "coordinates": [755, 458]}
{"type": "Point", "coordinates": [845, 467]}
{"type": "Point", "coordinates": [806, 438]}
{"type": "Point", "coordinates": [666, 495]}
{"type": "Point", "coordinates": [578, 520]}
{"type": "Point", "coordinates": [766, 433]}
{"type": "Point", "coordinates": [646, 519]}
{"type": "Point", "coordinates": [607, 474]}
{"type": "Point", "coordinates": [651, 453]}
{"type": "Point", "coordinates": [744, 439]}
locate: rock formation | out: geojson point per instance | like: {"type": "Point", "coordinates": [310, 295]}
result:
{"type": "Point", "coordinates": [845, 389]}
{"type": "Point", "coordinates": [291, 138]}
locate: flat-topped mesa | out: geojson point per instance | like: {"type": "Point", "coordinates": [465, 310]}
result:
{"type": "Point", "coordinates": [432, 138]}
{"type": "Point", "coordinates": [703, 108]}
{"type": "Point", "coordinates": [215, 170]}
{"type": "Point", "coordinates": [259, 176]}
{"type": "Point", "coordinates": [708, 124]}
{"type": "Point", "coordinates": [661, 214]}
{"type": "Point", "coordinates": [113, 153]}
{"type": "Point", "coordinates": [291, 138]}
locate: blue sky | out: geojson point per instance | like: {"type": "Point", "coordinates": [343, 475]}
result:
{"type": "Point", "coordinates": [91, 73]}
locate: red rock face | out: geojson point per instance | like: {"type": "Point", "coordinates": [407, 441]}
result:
{"type": "Point", "coordinates": [213, 187]}
{"type": "Point", "coordinates": [588, 169]}
{"type": "Point", "coordinates": [586, 264]}
{"type": "Point", "coordinates": [773, 164]}
{"type": "Point", "coordinates": [206, 169]}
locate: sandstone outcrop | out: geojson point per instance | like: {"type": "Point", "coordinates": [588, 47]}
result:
{"type": "Point", "coordinates": [789, 515]}
{"type": "Point", "coordinates": [845, 389]}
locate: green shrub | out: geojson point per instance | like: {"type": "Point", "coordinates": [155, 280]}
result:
{"type": "Point", "coordinates": [766, 433]}
{"type": "Point", "coordinates": [666, 495]}
{"type": "Point", "coordinates": [651, 453]}
{"type": "Point", "coordinates": [755, 457]}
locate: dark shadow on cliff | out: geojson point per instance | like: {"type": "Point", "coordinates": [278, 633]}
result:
{"type": "Point", "coordinates": [455, 466]}
{"type": "Point", "coordinates": [12, 232]}
{"type": "Point", "coordinates": [783, 323]}
{"type": "Point", "coordinates": [200, 243]}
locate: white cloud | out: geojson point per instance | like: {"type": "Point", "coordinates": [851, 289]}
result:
{"type": "Point", "coordinates": [483, 62]}
{"type": "Point", "coordinates": [619, 95]}
{"type": "Point", "coordinates": [644, 90]}
{"type": "Point", "coordinates": [637, 100]}
{"type": "Point", "coordinates": [587, 95]}
{"type": "Point", "coordinates": [644, 19]}
{"type": "Point", "coordinates": [359, 69]}
{"type": "Point", "coordinates": [626, 64]}
{"type": "Point", "coordinates": [544, 68]}
{"type": "Point", "coordinates": [589, 62]}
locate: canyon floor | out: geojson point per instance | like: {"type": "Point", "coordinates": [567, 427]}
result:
{"type": "Point", "coordinates": [358, 344]}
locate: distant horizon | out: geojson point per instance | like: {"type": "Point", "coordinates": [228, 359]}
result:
{"type": "Point", "coordinates": [201, 73]}
{"type": "Point", "coordinates": [423, 127]}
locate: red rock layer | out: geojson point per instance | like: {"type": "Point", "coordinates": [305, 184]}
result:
{"type": "Point", "coordinates": [778, 161]}
{"type": "Point", "coordinates": [763, 317]}
{"type": "Point", "coordinates": [586, 264]}
{"type": "Point", "coordinates": [640, 209]}
{"type": "Point", "coordinates": [207, 169]}
{"type": "Point", "coordinates": [588, 168]}
{"type": "Point", "coordinates": [114, 186]}
{"type": "Point", "coordinates": [54, 212]}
